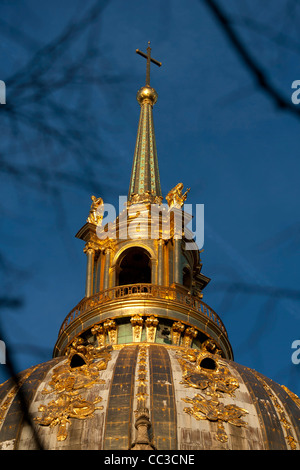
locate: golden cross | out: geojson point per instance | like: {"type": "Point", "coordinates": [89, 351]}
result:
{"type": "Point", "coordinates": [149, 60]}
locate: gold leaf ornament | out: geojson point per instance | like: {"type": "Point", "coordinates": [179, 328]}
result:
{"type": "Point", "coordinates": [66, 383]}
{"type": "Point", "coordinates": [214, 381]}
{"type": "Point", "coordinates": [214, 410]}
{"type": "Point", "coordinates": [58, 412]}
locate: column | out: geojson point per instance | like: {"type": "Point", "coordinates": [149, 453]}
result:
{"type": "Point", "coordinates": [137, 327]}
{"type": "Point", "coordinates": [90, 253]}
{"type": "Point", "coordinates": [97, 263]}
{"type": "Point", "coordinates": [160, 263]}
{"type": "Point", "coordinates": [166, 249]}
{"type": "Point", "coordinates": [176, 261]}
{"type": "Point", "coordinates": [106, 268]}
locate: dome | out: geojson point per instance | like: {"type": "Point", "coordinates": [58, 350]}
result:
{"type": "Point", "coordinates": [147, 396]}
{"type": "Point", "coordinates": [142, 362]}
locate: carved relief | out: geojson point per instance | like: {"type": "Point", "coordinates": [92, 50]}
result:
{"type": "Point", "coordinates": [137, 327]}
{"type": "Point", "coordinates": [78, 348]}
{"type": "Point", "coordinates": [90, 247]}
{"type": "Point", "coordinates": [214, 410]}
{"type": "Point", "coordinates": [111, 328]}
{"type": "Point", "coordinates": [142, 380]}
{"type": "Point", "coordinates": [189, 334]}
{"type": "Point", "coordinates": [214, 381]}
{"type": "Point", "coordinates": [68, 382]}
{"type": "Point", "coordinates": [211, 346]}
{"type": "Point", "coordinates": [203, 371]}
{"type": "Point", "coordinates": [58, 412]}
{"type": "Point", "coordinates": [142, 415]}
{"type": "Point", "coordinates": [144, 198]}
{"type": "Point", "coordinates": [177, 330]}
{"type": "Point", "coordinates": [151, 326]}
{"type": "Point", "coordinates": [99, 331]}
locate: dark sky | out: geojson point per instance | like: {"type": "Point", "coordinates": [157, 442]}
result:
{"type": "Point", "coordinates": [69, 129]}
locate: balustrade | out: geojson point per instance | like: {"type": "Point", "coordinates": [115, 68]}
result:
{"type": "Point", "coordinates": [145, 291]}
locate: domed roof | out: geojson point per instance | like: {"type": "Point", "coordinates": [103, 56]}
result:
{"type": "Point", "coordinates": [142, 363]}
{"type": "Point", "coordinates": [147, 396]}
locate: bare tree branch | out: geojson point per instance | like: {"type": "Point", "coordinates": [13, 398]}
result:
{"type": "Point", "coordinates": [260, 77]}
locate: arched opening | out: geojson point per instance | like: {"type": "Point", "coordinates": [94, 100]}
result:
{"type": "Point", "coordinates": [134, 267]}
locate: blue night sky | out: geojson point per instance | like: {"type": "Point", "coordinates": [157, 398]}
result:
{"type": "Point", "coordinates": [68, 131]}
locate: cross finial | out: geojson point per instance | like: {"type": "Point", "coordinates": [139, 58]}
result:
{"type": "Point", "coordinates": [149, 60]}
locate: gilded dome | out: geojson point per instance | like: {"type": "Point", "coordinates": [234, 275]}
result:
{"type": "Point", "coordinates": [147, 396]}
{"type": "Point", "coordinates": [142, 362]}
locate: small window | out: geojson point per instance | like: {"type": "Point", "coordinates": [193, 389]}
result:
{"type": "Point", "coordinates": [208, 363]}
{"type": "Point", "coordinates": [77, 361]}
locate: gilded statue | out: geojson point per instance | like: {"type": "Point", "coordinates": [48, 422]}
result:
{"type": "Point", "coordinates": [175, 198]}
{"type": "Point", "coordinates": [96, 211]}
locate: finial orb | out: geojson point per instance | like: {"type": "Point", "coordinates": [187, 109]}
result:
{"type": "Point", "coordinates": [147, 93]}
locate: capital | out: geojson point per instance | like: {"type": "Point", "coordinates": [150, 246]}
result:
{"type": "Point", "coordinates": [90, 248]}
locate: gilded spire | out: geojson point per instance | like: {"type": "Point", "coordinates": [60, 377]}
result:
{"type": "Point", "coordinates": [145, 181]}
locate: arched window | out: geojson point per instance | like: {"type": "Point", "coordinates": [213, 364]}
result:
{"type": "Point", "coordinates": [134, 267]}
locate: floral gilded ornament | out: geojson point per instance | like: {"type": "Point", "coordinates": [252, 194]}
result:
{"type": "Point", "coordinates": [151, 325]}
{"type": "Point", "coordinates": [68, 382]}
{"type": "Point", "coordinates": [203, 371]}
{"type": "Point", "coordinates": [177, 330]}
{"type": "Point", "coordinates": [214, 410]}
{"type": "Point", "coordinates": [137, 326]}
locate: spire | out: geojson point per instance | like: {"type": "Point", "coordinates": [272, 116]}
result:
{"type": "Point", "coordinates": [145, 182]}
